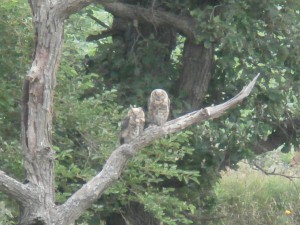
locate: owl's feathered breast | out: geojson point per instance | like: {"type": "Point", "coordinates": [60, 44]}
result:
{"type": "Point", "coordinates": [158, 107]}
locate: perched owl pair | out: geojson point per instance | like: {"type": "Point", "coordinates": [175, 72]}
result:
{"type": "Point", "coordinates": [158, 113]}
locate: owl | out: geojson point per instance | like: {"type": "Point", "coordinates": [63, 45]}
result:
{"type": "Point", "coordinates": [133, 125]}
{"type": "Point", "coordinates": [158, 107]}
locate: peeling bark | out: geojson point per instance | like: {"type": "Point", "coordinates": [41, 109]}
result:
{"type": "Point", "coordinates": [37, 111]}
{"type": "Point", "coordinates": [48, 22]}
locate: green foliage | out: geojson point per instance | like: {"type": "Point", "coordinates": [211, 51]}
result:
{"type": "Point", "coordinates": [15, 50]}
{"type": "Point", "coordinates": [5, 215]}
{"type": "Point", "coordinates": [166, 208]}
{"type": "Point", "coordinates": [86, 132]}
{"type": "Point", "coordinates": [129, 71]}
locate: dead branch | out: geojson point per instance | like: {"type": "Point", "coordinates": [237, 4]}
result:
{"type": "Point", "coordinates": [91, 191]}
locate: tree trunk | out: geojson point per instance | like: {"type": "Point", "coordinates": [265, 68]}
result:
{"type": "Point", "coordinates": [197, 72]}
{"type": "Point", "coordinates": [37, 113]}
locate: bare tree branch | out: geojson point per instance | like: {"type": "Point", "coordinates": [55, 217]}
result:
{"type": "Point", "coordinates": [184, 25]}
{"type": "Point", "coordinates": [18, 191]}
{"type": "Point", "coordinates": [273, 173]}
{"type": "Point", "coordinates": [66, 8]}
{"type": "Point", "coordinates": [99, 21]}
{"type": "Point", "coordinates": [220, 109]}
{"type": "Point", "coordinates": [91, 191]}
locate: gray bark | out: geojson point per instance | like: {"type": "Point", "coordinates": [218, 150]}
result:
{"type": "Point", "coordinates": [184, 25]}
{"type": "Point", "coordinates": [37, 112]}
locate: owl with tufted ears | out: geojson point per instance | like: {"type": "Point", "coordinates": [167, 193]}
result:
{"type": "Point", "coordinates": [158, 107]}
{"type": "Point", "coordinates": [133, 125]}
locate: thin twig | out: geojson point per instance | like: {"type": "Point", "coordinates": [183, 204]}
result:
{"type": "Point", "coordinates": [98, 21]}
{"type": "Point", "coordinates": [278, 174]}
{"type": "Point", "coordinates": [273, 172]}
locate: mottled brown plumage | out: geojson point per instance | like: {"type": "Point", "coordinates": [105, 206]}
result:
{"type": "Point", "coordinates": [132, 125]}
{"type": "Point", "coordinates": [158, 107]}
